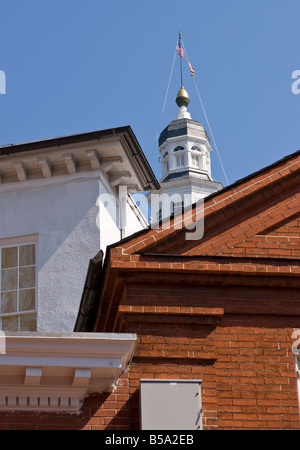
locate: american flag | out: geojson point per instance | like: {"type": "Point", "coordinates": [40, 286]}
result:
{"type": "Point", "coordinates": [180, 49]}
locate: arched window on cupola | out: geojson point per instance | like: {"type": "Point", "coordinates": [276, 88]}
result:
{"type": "Point", "coordinates": [195, 148]}
{"type": "Point", "coordinates": [179, 156]}
{"type": "Point", "coordinates": [165, 162]}
{"type": "Point", "coordinates": [196, 151]}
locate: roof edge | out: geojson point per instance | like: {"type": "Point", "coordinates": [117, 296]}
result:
{"type": "Point", "coordinates": [253, 174]}
{"type": "Point", "coordinates": [126, 131]}
{"type": "Point", "coordinates": [61, 140]}
{"type": "Point", "coordinates": [208, 197]}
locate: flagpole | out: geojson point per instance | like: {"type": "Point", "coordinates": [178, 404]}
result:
{"type": "Point", "coordinates": [181, 71]}
{"type": "Point", "coordinates": [181, 79]}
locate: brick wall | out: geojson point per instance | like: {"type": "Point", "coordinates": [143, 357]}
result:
{"type": "Point", "coordinates": [245, 361]}
{"type": "Point", "coordinates": [250, 385]}
{"type": "Point", "coordinates": [239, 346]}
{"type": "Point", "coordinates": [256, 378]}
{"type": "Point", "coordinates": [241, 353]}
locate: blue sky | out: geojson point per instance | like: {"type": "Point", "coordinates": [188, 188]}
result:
{"type": "Point", "coordinates": [74, 66]}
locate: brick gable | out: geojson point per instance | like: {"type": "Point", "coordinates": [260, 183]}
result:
{"type": "Point", "coordinates": [250, 239]}
{"type": "Point", "coordinates": [267, 200]}
{"type": "Point", "coordinates": [279, 241]}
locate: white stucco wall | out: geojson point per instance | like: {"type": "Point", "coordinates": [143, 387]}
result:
{"type": "Point", "coordinates": [66, 217]}
{"type": "Point", "coordinates": [112, 226]}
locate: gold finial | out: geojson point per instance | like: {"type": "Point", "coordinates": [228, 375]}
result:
{"type": "Point", "coordinates": [182, 98]}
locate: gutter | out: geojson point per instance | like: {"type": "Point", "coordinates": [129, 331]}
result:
{"type": "Point", "coordinates": [142, 162]}
{"type": "Point", "coordinates": [90, 295]}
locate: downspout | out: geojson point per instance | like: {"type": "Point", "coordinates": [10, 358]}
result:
{"type": "Point", "coordinates": [90, 295]}
{"type": "Point", "coordinates": [296, 351]}
{"type": "Point", "coordinates": [298, 382]}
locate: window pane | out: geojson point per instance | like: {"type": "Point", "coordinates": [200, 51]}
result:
{"type": "Point", "coordinates": [28, 322]}
{"type": "Point", "coordinates": [9, 279]}
{"type": "Point", "coordinates": [179, 161]}
{"type": "Point", "coordinates": [9, 257]}
{"type": "Point", "coordinates": [9, 302]}
{"type": "Point", "coordinates": [27, 255]}
{"type": "Point", "coordinates": [27, 277]}
{"type": "Point", "coordinates": [10, 323]}
{"type": "Point", "coordinates": [17, 287]}
{"type": "Point", "coordinates": [27, 299]}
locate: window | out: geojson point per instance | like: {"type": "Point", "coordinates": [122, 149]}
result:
{"type": "Point", "coordinates": [196, 156]}
{"type": "Point", "coordinates": [195, 148]}
{"type": "Point", "coordinates": [179, 160]}
{"type": "Point", "coordinates": [165, 167]}
{"type": "Point", "coordinates": [176, 207]}
{"type": "Point", "coordinates": [195, 160]}
{"type": "Point", "coordinates": [18, 288]}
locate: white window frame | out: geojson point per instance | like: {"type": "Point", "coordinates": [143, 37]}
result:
{"type": "Point", "coordinates": [19, 242]}
{"type": "Point", "coordinates": [195, 160]}
{"type": "Point", "coordinates": [179, 156]}
{"type": "Point", "coordinates": [179, 148]}
{"type": "Point", "coordinates": [180, 160]}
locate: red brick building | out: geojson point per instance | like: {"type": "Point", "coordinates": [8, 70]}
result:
{"type": "Point", "coordinates": [221, 309]}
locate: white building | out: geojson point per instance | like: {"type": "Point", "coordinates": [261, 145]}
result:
{"type": "Point", "coordinates": [184, 148]}
{"type": "Point", "coordinates": [60, 204]}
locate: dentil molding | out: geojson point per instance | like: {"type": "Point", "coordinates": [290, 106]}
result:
{"type": "Point", "coordinates": [56, 371]}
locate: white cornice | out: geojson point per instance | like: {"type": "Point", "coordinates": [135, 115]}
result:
{"type": "Point", "coordinates": [42, 167]}
{"type": "Point", "coordinates": [50, 181]}
{"type": "Point", "coordinates": [56, 371]}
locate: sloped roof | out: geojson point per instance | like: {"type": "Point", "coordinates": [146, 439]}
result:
{"type": "Point", "coordinates": [251, 229]}
{"type": "Point", "coordinates": [287, 166]}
